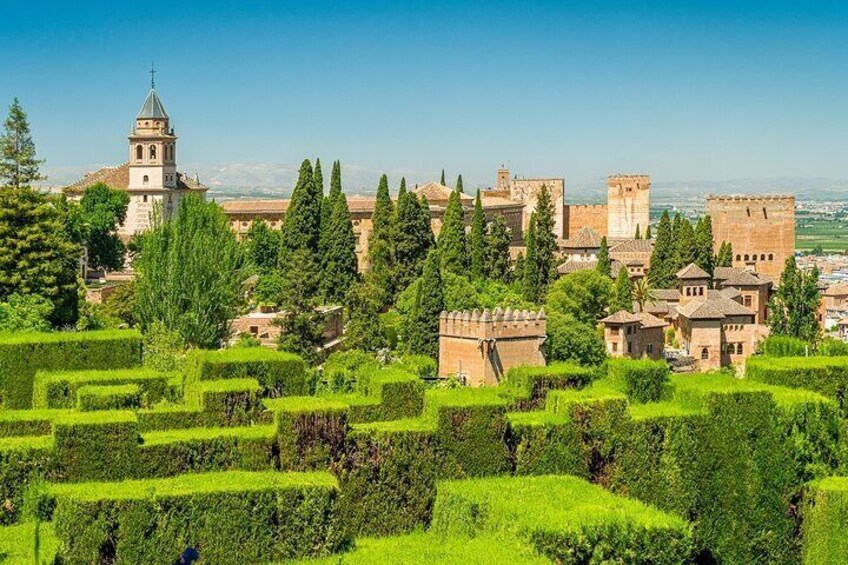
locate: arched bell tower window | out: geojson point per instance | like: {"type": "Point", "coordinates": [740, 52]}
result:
{"type": "Point", "coordinates": [139, 152]}
{"type": "Point", "coordinates": [145, 180]}
{"type": "Point", "coordinates": [152, 152]}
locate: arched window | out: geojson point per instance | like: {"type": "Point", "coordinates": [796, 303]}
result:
{"type": "Point", "coordinates": [145, 180]}
{"type": "Point", "coordinates": [738, 257]}
{"type": "Point", "coordinates": [139, 153]}
{"type": "Point", "coordinates": [705, 354]}
{"type": "Point", "coordinates": [747, 257]}
{"type": "Point", "coordinates": [152, 152]}
{"type": "Point", "coordinates": [762, 256]}
{"type": "Point", "coordinates": [739, 345]}
{"type": "Point", "coordinates": [771, 257]}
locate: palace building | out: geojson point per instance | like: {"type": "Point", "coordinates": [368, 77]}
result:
{"type": "Point", "coordinates": [150, 175]}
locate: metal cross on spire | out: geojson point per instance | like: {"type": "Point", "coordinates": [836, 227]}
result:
{"type": "Point", "coordinates": [152, 77]}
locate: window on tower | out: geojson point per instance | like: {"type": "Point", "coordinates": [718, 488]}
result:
{"type": "Point", "coordinates": [139, 153]}
{"type": "Point", "coordinates": [152, 151]}
{"type": "Point", "coordinates": [144, 181]}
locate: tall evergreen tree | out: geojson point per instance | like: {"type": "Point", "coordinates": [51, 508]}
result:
{"type": "Point", "coordinates": [622, 298]}
{"type": "Point", "coordinates": [498, 239]}
{"type": "Point", "coordinates": [364, 329]}
{"type": "Point", "coordinates": [704, 244]}
{"type": "Point", "coordinates": [685, 244]}
{"type": "Point", "coordinates": [302, 325]}
{"type": "Point", "coordinates": [302, 226]}
{"type": "Point", "coordinates": [546, 243]}
{"type": "Point", "coordinates": [477, 239]}
{"type": "Point", "coordinates": [442, 180]}
{"type": "Point", "coordinates": [453, 247]}
{"type": "Point", "coordinates": [664, 255]}
{"type": "Point", "coordinates": [18, 163]}
{"type": "Point", "coordinates": [676, 223]}
{"type": "Point", "coordinates": [327, 203]}
{"type": "Point", "coordinates": [422, 329]}
{"type": "Point", "coordinates": [638, 233]}
{"type": "Point", "coordinates": [336, 179]}
{"type": "Point", "coordinates": [340, 263]}
{"type": "Point", "coordinates": [530, 275]}
{"type": "Point", "coordinates": [459, 186]}
{"type": "Point", "coordinates": [37, 254]}
{"type": "Point", "coordinates": [648, 232]}
{"type": "Point", "coordinates": [604, 265]}
{"type": "Point", "coordinates": [380, 240]}
{"type": "Point", "coordinates": [793, 308]}
{"type": "Point", "coordinates": [412, 239]}
{"type": "Point", "coordinates": [725, 255]}
{"type": "Point", "coordinates": [318, 178]}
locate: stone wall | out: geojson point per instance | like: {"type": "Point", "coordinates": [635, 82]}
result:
{"type": "Point", "coordinates": [579, 215]}
{"type": "Point", "coordinates": [628, 205]}
{"type": "Point", "coordinates": [761, 230]}
{"type": "Point", "coordinates": [526, 191]}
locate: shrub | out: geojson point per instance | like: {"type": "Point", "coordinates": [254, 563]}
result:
{"type": "Point", "coordinates": [310, 431]}
{"type": "Point", "coordinates": [644, 380]}
{"type": "Point", "coordinates": [22, 355]}
{"type": "Point", "coordinates": [229, 517]}
{"type": "Point", "coordinates": [342, 367]}
{"type": "Point", "coordinates": [422, 366]}
{"type": "Point", "coordinates": [23, 461]}
{"type": "Point", "coordinates": [572, 340]}
{"type": "Point", "coordinates": [531, 384]}
{"type": "Point", "coordinates": [543, 443]}
{"type": "Point", "coordinates": [830, 347]}
{"type": "Point", "coordinates": [279, 373]}
{"type": "Point", "coordinates": [27, 422]}
{"type": "Point", "coordinates": [230, 402]}
{"type": "Point", "coordinates": [96, 445]}
{"type": "Point", "coordinates": [116, 397]}
{"type": "Point", "coordinates": [827, 375]}
{"type": "Point", "coordinates": [825, 530]}
{"type": "Point", "coordinates": [61, 389]}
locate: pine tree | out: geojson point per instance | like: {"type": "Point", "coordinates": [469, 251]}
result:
{"type": "Point", "coordinates": [302, 226]}
{"type": "Point", "coordinates": [498, 239]}
{"type": "Point", "coordinates": [37, 255]}
{"type": "Point", "coordinates": [477, 239]}
{"type": "Point", "coordinates": [18, 163]}
{"type": "Point", "coordinates": [685, 244]}
{"type": "Point", "coordinates": [604, 265]}
{"type": "Point", "coordinates": [664, 255]}
{"type": "Point", "coordinates": [453, 248]}
{"type": "Point", "coordinates": [725, 255]}
{"type": "Point", "coordinates": [704, 244]}
{"type": "Point", "coordinates": [648, 232]}
{"type": "Point", "coordinates": [412, 238]}
{"type": "Point", "coordinates": [340, 264]}
{"type": "Point", "coordinates": [793, 308]}
{"type": "Point", "coordinates": [621, 293]}
{"type": "Point", "coordinates": [422, 329]}
{"type": "Point", "coordinates": [459, 184]}
{"type": "Point", "coordinates": [442, 180]}
{"type": "Point", "coordinates": [638, 234]}
{"type": "Point", "coordinates": [530, 274]}
{"type": "Point", "coordinates": [546, 241]}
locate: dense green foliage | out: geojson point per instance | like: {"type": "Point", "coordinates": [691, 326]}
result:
{"type": "Point", "coordinates": [704, 257]}
{"type": "Point", "coordinates": [497, 243]}
{"type": "Point", "coordinates": [339, 259]}
{"type": "Point", "coordinates": [94, 223]}
{"type": "Point", "coordinates": [412, 237]}
{"type": "Point", "coordinates": [421, 326]}
{"type": "Point", "coordinates": [29, 313]}
{"type": "Point", "coordinates": [793, 308]}
{"type": "Point", "coordinates": [262, 246]}
{"type": "Point", "coordinates": [380, 239]}
{"type": "Point", "coordinates": [570, 339]}
{"type": "Point", "coordinates": [663, 256]}
{"type": "Point", "coordinates": [529, 271]}
{"type": "Point", "coordinates": [584, 295]}
{"type": "Point", "coordinates": [453, 244]}
{"type": "Point", "coordinates": [477, 240]}
{"type": "Point", "coordinates": [622, 293]}
{"type": "Point", "coordinates": [725, 255]}
{"type": "Point", "coordinates": [19, 166]}
{"type": "Point", "coordinates": [302, 225]}
{"type": "Point", "coordinates": [825, 530]}
{"type": "Point", "coordinates": [604, 265]}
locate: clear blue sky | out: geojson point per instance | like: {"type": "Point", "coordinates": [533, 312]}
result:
{"type": "Point", "coordinates": [677, 89]}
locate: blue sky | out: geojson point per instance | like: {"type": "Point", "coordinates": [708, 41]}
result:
{"type": "Point", "coordinates": [680, 90]}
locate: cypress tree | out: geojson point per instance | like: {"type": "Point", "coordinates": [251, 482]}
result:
{"type": "Point", "coordinates": [792, 309]}
{"type": "Point", "coordinates": [604, 264]}
{"type": "Point", "coordinates": [459, 184]}
{"type": "Point", "coordinates": [379, 242]}
{"type": "Point", "coordinates": [336, 179]}
{"type": "Point", "coordinates": [685, 244]}
{"type": "Point", "coordinates": [422, 330]}
{"type": "Point", "coordinates": [453, 248]}
{"type": "Point", "coordinates": [621, 293]}
{"type": "Point", "coordinates": [704, 244]}
{"type": "Point", "coordinates": [477, 239]}
{"type": "Point", "coordinates": [497, 243]}
{"type": "Point", "coordinates": [675, 226]}
{"type": "Point", "coordinates": [725, 255]}
{"type": "Point", "coordinates": [442, 180]}
{"type": "Point", "coordinates": [638, 234]}
{"type": "Point", "coordinates": [664, 256]}
{"type": "Point", "coordinates": [648, 232]}
{"type": "Point", "coordinates": [340, 266]}
{"type": "Point", "coordinates": [546, 243]}
{"type": "Point", "coordinates": [318, 178]}
{"type": "Point", "coordinates": [518, 272]}
{"type": "Point", "coordinates": [18, 163]}
{"type": "Point", "coordinates": [530, 275]}
{"type": "Point", "coordinates": [412, 239]}
{"type": "Point", "coordinates": [302, 226]}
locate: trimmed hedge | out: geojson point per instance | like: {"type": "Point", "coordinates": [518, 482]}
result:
{"type": "Point", "coordinates": [28, 422]}
{"type": "Point", "coordinates": [825, 524]}
{"type": "Point", "coordinates": [279, 373]}
{"type": "Point", "coordinates": [230, 402]}
{"type": "Point", "coordinates": [59, 389]}
{"type": "Point", "coordinates": [115, 397]}
{"type": "Point", "coordinates": [93, 446]}
{"type": "Point", "coordinates": [564, 518]}
{"type": "Point", "coordinates": [784, 346]}
{"type": "Point", "coordinates": [531, 384]}
{"type": "Point", "coordinates": [310, 430]}
{"type": "Point", "coordinates": [827, 375]}
{"type": "Point", "coordinates": [23, 461]}
{"type": "Point", "coordinates": [230, 518]}
{"type": "Point", "coordinates": [421, 366]}
{"type": "Point", "coordinates": [543, 443]}
{"type": "Point", "coordinates": [17, 544]}
{"type": "Point", "coordinates": [643, 380]}
{"type": "Point", "coordinates": [22, 355]}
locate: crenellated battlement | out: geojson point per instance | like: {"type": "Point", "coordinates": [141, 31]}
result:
{"type": "Point", "coordinates": [751, 198]}
{"type": "Point", "coordinates": [495, 324]}
{"type": "Point", "coordinates": [642, 181]}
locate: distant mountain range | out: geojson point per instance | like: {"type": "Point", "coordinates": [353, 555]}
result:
{"type": "Point", "coordinates": [275, 180]}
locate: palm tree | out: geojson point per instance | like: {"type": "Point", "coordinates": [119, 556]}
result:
{"type": "Point", "coordinates": [642, 293]}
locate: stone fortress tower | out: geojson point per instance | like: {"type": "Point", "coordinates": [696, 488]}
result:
{"type": "Point", "coordinates": [526, 191]}
{"type": "Point", "coordinates": [628, 205]}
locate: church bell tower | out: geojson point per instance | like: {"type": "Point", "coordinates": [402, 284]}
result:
{"type": "Point", "coordinates": [153, 145]}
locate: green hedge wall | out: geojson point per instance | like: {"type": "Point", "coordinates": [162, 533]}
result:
{"type": "Point", "coordinates": [827, 375]}
{"type": "Point", "coordinates": [230, 402]}
{"type": "Point", "coordinates": [59, 389]}
{"type": "Point", "coordinates": [114, 397]}
{"type": "Point", "coordinates": [310, 430]}
{"type": "Point", "coordinates": [28, 422]}
{"type": "Point", "coordinates": [22, 355]}
{"type": "Point", "coordinates": [279, 373]}
{"type": "Point", "coordinates": [643, 380]}
{"type": "Point", "coordinates": [531, 384]}
{"type": "Point", "coordinates": [825, 522]}
{"type": "Point", "coordinates": [23, 461]}
{"type": "Point", "coordinates": [543, 443]}
{"type": "Point", "coordinates": [230, 518]}
{"type": "Point", "coordinates": [92, 446]}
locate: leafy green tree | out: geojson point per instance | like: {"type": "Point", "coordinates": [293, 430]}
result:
{"type": "Point", "coordinates": [412, 238]}
{"type": "Point", "coordinates": [585, 295]}
{"type": "Point", "coordinates": [25, 313]}
{"type": "Point", "coordinates": [459, 186]}
{"type": "Point", "coordinates": [364, 329]}
{"type": "Point", "coordinates": [530, 271]}
{"type": "Point", "coordinates": [37, 254]}
{"type": "Point", "coordinates": [336, 179]}
{"type": "Point", "coordinates": [675, 226]}
{"type": "Point", "coordinates": [546, 241]}
{"type": "Point", "coordinates": [262, 246]}
{"type": "Point", "coordinates": [340, 263]}
{"type": "Point", "coordinates": [453, 247]}
{"type": "Point", "coordinates": [302, 226]}
{"type": "Point", "coordinates": [664, 255]}
{"type": "Point", "coordinates": [189, 274]}
{"type": "Point", "coordinates": [421, 329]}
{"type": "Point", "coordinates": [93, 223]}
{"type": "Point", "coordinates": [477, 239]}
{"type": "Point", "coordinates": [725, 255]}
{"type": "Point", "coordinates": [269, 290]}
{"type": "Point", "coordinates": [793, 308]}
{"type": "Point", "coordinates": [18, 163]}
{"type": "Point", "coordinates": [301, 323]}
{"type": "Point", "coordinates": [569, 339]}
{"type": "Point", "coordinates": [704, 257]}
{"type": "Point", "coordinates": [120, 304]}
{"type": "Point", "coordinates": [622, 298]}
{"type": "Point", "coordinates": [648, 232]}
{"type": "Point", "coordinates": [685, 244]}
{"type": "Point", "coordinates": [604, 265]}
{"type": "Point", "coordinates": [496, 248]}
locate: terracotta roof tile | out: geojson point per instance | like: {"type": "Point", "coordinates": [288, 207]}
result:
{"type": "Point", "coordinates": [621, 317]}
{"type": "Point", "coordinates": [692, 272]}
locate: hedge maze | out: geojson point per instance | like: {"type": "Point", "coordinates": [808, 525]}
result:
{"type": "Point", "coordinates": [105, 461]}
